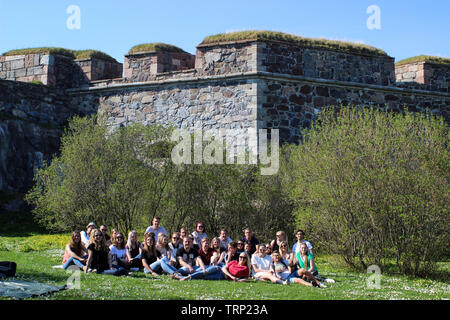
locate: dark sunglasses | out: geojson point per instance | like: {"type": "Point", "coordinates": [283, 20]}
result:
{"type": "Point", "coordinates": [242, 257]}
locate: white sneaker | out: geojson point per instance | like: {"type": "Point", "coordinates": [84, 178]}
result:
{"type": "Point", "coordinates": [329, 280]}
{"type": "Point", "coordinates": [322, 285]}
{"type": "Point", "coordinates": [285, 282]}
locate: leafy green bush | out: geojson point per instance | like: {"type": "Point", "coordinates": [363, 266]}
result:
{"type": "Point", "coordinates": [373, 186]}
{"type": "Point", "coordinates": [108, 177]}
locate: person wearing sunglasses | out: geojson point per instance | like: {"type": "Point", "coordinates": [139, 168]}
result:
{"type": "Point", "coordinates": [99, 259]}
{"type": "Point", "coordinates": [118, 251]}
{"type": "Point", "coordinates": [275, 244]}
{"type": "Point", "coordinates": [199, 233]}
{"type": "Point", "coordinates": [238, 271]}
{"type": "Point", "coordinates": [174, 245]}
{"type": "Point", "coordinates": [261, 263]}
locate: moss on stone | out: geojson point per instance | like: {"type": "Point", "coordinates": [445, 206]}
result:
{"type": "Point", "coordinates": [42, 50]}
{"type": "Point", "coordinates": [89, 54]}
{"type": "Point", "coordinates": [425, 58]}
{"type": "Point", "coordinates": [74, 54]}
{"type": "Point", "coordinates": [154, 47]}
{"type": "Point", "coordinates": [342, 46]}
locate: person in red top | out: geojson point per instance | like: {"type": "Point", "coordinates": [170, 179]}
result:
{"type": "Point", "coordinates": [238, 271]}
{"type": "Point", "coordinates": [208, 271]}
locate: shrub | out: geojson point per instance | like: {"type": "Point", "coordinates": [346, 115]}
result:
{"type": "Point", "coordinates": [373, 186]}
{"type": "Point", "coordinates": [107, 177]}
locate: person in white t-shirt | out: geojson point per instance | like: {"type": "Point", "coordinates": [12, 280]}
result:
{"type": "Point", "coordinates": [199, 233]}
{"type": "Point", "coordinates": [118, 251]}
{"type": "Point", "coordinates": [300, 239]}
{"type": "Point", "coordinates": [156, 228]}
{"type": "Point", "coordinates": [224, 238]}
{"type": "Point", "coordinates": [261, 263]}
{"type": "Point", "coordinates": [85, 234]}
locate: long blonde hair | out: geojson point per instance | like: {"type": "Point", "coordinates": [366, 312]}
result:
{"type": "Point", "coordinates": [129, 244]}
{"type": "Point", "coordinates": [98, 245]}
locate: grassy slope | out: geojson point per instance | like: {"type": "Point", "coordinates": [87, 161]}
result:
{"type": "Point", "coordinates": [36, 266]}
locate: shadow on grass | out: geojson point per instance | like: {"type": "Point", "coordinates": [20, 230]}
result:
{"type": "Point", "coordinates": [19, 224]}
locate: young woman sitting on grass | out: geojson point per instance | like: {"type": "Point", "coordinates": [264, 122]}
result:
{"type": "Point", "coordinates": [238, 271]}
{"type": "Point", "coordinates": [284, 253]}
{"type": "Point", "coordinates": [279, 268]}
{"type": "Point", "coordinates": [305, 261]}
{"type": "Point", "coordinates": [134, 251]}
{"type": "Point", "coordinates": [261, 263]}
{"type": "Point", "coordinates": [99, 259]}
{"type": "Point", "coordinates": [163, 245]}
{"type": "Point", "coordinates": [150, 256]}
{"type": "Point", "coordinates": [75, 252]}
{"type": "Point", "coordinates": [118, 252]}
{"type": "Point", "coordinates": [219, 258]}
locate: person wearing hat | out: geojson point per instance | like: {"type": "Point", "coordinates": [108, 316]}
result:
{"type": "Point", "coordinates": [85, 234]}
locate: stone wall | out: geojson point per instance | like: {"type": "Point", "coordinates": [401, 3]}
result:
{"type": "Point", "coordinates": [144, 66]}
{"type": "Point", "coordinates": [434, 77]}
{"type": "Point", "coordinates": [208, 104]}
{"type": "Point", "coordinates": [219, 59]}
{"type": "Point", "coordinates": [98, 69]}
{"type": "Point", "coordinates": [32, 118]}
{"type": "Point", "coordinates": [57, 70]}
{"type": "Point", "coordinates": [285, 58]}
{"type": "Point", "coordinates": [292, 103]}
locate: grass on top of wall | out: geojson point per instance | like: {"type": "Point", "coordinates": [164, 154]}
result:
{"type": "Point", "coordinates": [154, 47]}
{"type": "Point", "coordinates": [74, 54]}
{"type": "Point", "coordinates": [43, 50]}
{"type": "Point", "coordinates": [425, 58]}
{"type": "Point", "coordinates": [90, 53]}
{"type": "Point", "coordinates": [335, 45]}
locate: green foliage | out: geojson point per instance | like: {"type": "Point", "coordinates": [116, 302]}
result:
{"type": "Point", "coordinates": [373, 186]}
{"type": "Point", "coordinates": [154, 47]}
{"type": "Point", "coordinates": [101, 176]}
{"type": "Point", "coordinates": [342, 46]}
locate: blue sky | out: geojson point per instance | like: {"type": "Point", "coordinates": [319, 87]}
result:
{"type": "Point", "coordinates": [408, 27]}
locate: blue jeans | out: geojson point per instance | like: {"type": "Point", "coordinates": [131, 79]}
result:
{"type": "Point", "coordinates": [116, 271]}
{"type": "Point", "coordinates": [171, 269]}
{"type": "Point", "coordinates": [72, 261]}
{"type": "Point", "coordinates": [213, 273]}
{"type": "Point", "coordinates": [155, 266]}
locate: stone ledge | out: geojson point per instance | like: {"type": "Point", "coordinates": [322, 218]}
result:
{"type": "Point", "coordinates": [258, 75]}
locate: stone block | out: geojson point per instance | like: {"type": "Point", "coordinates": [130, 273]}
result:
{"type": "Point", "coordinates": [17, 64]}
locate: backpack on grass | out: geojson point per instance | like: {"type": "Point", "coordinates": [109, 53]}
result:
{"type": "Point", "coordinates": [7, 269]}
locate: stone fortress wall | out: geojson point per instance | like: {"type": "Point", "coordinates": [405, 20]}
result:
{"type": "Point", "coordinates": [239, 85]}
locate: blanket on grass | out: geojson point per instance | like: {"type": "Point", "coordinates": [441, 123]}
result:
{"type": "Point", "coordinates": [19, 289]}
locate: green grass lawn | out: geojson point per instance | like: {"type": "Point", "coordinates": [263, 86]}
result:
{"type": "Point", "coordinates": [35, 254]}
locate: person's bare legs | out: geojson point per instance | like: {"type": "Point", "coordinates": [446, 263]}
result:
{"type": "Point", "coordinates": [270, 277]}
{"type": "Point", "coordinates": [305, 273]}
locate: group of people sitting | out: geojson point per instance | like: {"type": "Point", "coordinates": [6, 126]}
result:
{"type": "Point", "coordinates": [193, 256]}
